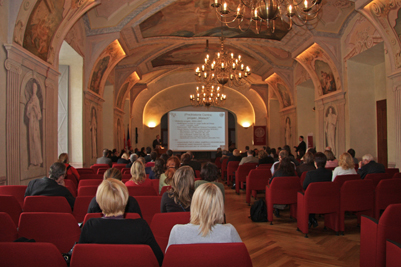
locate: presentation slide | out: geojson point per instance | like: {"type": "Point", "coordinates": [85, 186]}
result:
{"type": "Point", "coordinates": [196, 131]}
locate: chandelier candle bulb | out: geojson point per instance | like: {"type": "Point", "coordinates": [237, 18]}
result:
{"type": "Point", "coordinates": [222, 66]}
{"type": "Point", "coordinates": [203, 67]}
{"type": "Point", "coordinates": [233, 66]}
{"type": "Point", "coordinates": [242, 67]}
{"type": "Point", "coordinates": [232, 55]}
{"type": "Point", "coordinates": [239, 57]}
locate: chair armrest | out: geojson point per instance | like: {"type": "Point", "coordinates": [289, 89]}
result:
{"type": "Point", "coordinates": [368, 245]}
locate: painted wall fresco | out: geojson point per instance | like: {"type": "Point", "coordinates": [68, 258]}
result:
{"type": "Point", "coordinates": [121, 95]}
{"type": "Point", "coordinates": [325, 74]}
{"type": "Point", "coordinates": [198, 18]}
{"type": "Point", "coordinates": [280, 89]}
{"type": "Point", "coordinates": [284, 94]}
{"type": "Point", "coordinates": [42, 25]}
{"type": "Point", "coordinates": [98, 73]}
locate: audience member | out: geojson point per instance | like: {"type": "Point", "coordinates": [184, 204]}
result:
{"type": "Point", "coordinates": [63, 158]}
{"type": "Point", "coordinates": [352, 153]}
{"type": "Point", "coordinates": [124, 159]}
{"type": "Point", "coordinates": [148, 158]}
{"type": "Point", "coordinates": [164, 157]}
{"type": "Point", "coordinates": [346, 166]}
{"type": "Point", "coordinates": [172, 165]}
{"type": "Point", "coordinates": [178, 198]}
{"type": "Point", "coordinates": [368, 165]}
{"type": "Point", "coordinates": [185, 160]}
{"type": "Point", "coordinates": [132, 159]}
{"type": "Point", "coordinates": [265, 158]}
{"type": "Point", "coordinates": [138, 175]}
{"type": "Point", "coordinates": [169, 153]}
{"type": "Point", "coordinates": [245, 153]}
{"type": "Point", "coordinates": [114, 156]}
{"type": "Point", "coordinates": [104, 159]}
{"type": "Point", "coordinates": [52, 186]}
{"type": "Point", "coordinates": [224, 155]}
{"type": "Point", "coordinates": [112, 196]}
{"type": "Point", "coordinates": [283, 154]}
{"type": "Point", "coordinates": [274, 154]}
{"type": "Point", "coordinates": [157, 170]}
{"type": "Point", "coordinates": [249, 158]}
{"type": "Point", "coordinates": [210, 174]}
{"type": "Point", "coordinates": [219, 153]}
{"type": "Point", "coordinates": [132, 204]}
{"type": "Point", "coordinates": [331, 159]}
{"type": "Point", "coordinates": [291, 156]}
{"type": "Point", "coordinates": [196, 165]}
{"type": "Point", "coordinates": [207, 218]}
{"type": "Point", "coordinates": [307, 165]}
{"type": "Point", "coordinates": [235, 157]}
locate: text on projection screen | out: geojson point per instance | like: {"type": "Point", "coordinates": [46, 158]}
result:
{"type": "Point", "coordinates": [191, 130]}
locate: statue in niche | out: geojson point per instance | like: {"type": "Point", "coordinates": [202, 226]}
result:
{"type": "Point", "coordinates": [330, 128]}
{"type": "Point", "coordinates": [34, 114]}
{"type": "Point", "coordinates": [287, 131]}
{"type": "Point", "coordinates": [93, 128]}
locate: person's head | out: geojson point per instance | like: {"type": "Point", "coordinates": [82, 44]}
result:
{"type": "Point", "coordinates": [165, 157]}
{"type": "Point", "coordinates": [143, 149]}
{"type": "Point", "coordinates": [133, 157]}
{"type": "Point", "coordinates": [282, 154]}
{"type": "Point", "coordinates": [142, 159]}
{"type": "Point", "coordinates": [209, 172]}
{"type": "Point", "coordinates": [346, 161]}
{"type": "Point", "coordinates": [262, 154]}
{"type": "Point", "coordinates": [153, 155]}
{"type": "Point", "coordinates": [148, 150]}
{"type": "Point", "coordinates": [112, 197]}
{"type": "Point", "coordinates": [301, 138]}
{"type": "Point", "coordinates": [115, 153]}
{"type": "Point", "coordinates": [125, 156]}
{"type": "Point", "coordinates": [309, 158]}
{"type": "Point", "coordinates": [157, 136]}
{"type": "Point", "coordinates": [105, 152]}
{"type": "Point", "coordinates": [173, 163]}
{"type": "Point", "coordinates": [112, 173]}
{"type": "Point", "coordinates": [351, 152]}
{"type": "Point", "coordinates": [225, 152]}
{"type": "Point", "coordinates": [311, 150]}
{"type": "Point", "coordinates": [329, 155]}
{"type": "Point", "coordinates": [63, 158]}
{"type": "Point", "coordinates": [246, 148]}
{"type": "Point", "coordinates": [268, 150]}
{"type": "Point", "coordinates": [159, 167]}
{"type": "Point", "coordinates": [367, 158]}
{"type": "Point", "coordinates": [57, 172]}
{"type": "Point", "coordinates": [191, 154]}
{"type": "Point", "coordinates": [169, 153]}
{"type": "Point", "coordinates": [138, 172]}
{"type": "Point", "coordinates": [287, 148]}
{"type": "Point", "coordinates": [250, 153]}
{"type": "Point", "coordinates": [273, 151]}
{"type": "Point", "coordinates": [236, 153]}
{"type": "Point", "coordinates": [286, 166]}
{"type": "Point", "coordinates": [185, 158]}
{"type": "Point", "coordinates": [207, 208]}
{"type": "Point", "coordinates": [182, 186]}
{"type": "Point", "coordinates": [255, 152]}
{"type": "Point", "coordinates": [320, 160]}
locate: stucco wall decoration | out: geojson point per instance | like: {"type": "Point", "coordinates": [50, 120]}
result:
{"type": "Point", "coordinates": [281, 90]}
{"type": "Point", "coordinates": [300, 75]}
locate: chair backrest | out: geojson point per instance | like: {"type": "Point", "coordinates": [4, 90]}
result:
{"type": "Point", "coordinates": [72, 179]}
{"type": "Point", "coordinates": [119, 166]}
{"type": "Point", "coordinates": [10, 205]}
{"type": "Point", "coordinates": [162, 223]}
{"type": "Point", "coordinates": [155, 183]}
{"type": "Point", "coordinates": [95, 167]}
{"type": "Point", "coordinates": [244, 169]}
{"type": "Point", "coordinates": [377, 177]}
{"type": "Point", "coordinates": [46, 204]}
{"type": "Point", "coordinates": [89, 190]}
{"type": "Point", "coordinates": [302, 178]}
{"type": "Point", "coordinates": [164, 189]}
{"type": "Point", "coordinates": [141, 191]}
{"type": "Point", "coordinates": [341, 179]}
{"type": "Point", "coordinates": [71, 186]}
{"type": "Point", "coordinates": [218, 162]}
{"type": "Point", "coordinates": [85, 171]}
{"type": "Point", "coordinates": [81, 207]}
{"type": "Point", "coordinates": [224, 164]}
{"type": "Point", "coordinates": [61, 229]}
{"type": "Point", "coordinates": [323, 196]}
{"type": "Point", "coordinates": [393, 253]}
{"type": "Point", "coordinates": [357, 195]}
{"type": "Point", "coordinates": [18, 191]}
{"type": "Point", "coordinates": [90, 182]}
{"type": "Point", "coordinates": [265, 166]}
{"type": "Point", "coordinates": [392, 171]}
{"type": "Point", "coordinates": [197, 174]}
{"type": "Point", "coordinates": [263, 173]}
{"type": "Point", "coordinates": [127, 215]}
{"type": "Point", "coordinates": [388, 191]}
{"type": "Point", "coordinates": [283, 190]}
{"type": "Point", "coordinates": [397, 175]}
{"type": "Point", "coordinates": [212, 254]}
{"type": "Point", "coordinates": [150, 205]}
{"type": "Point", "coordinates": [8, 229]}
{"type": "Point", "coordinates": [232, 166]}
{"type": "Point", "coordinates": [90, 176]}
{"type": "Point", "coordinates": [126, 171]}
{"type": "Point", "coordinates": [95, 255]}
{"type": "Point", "coordinates": [101, 171]}
{"type": "Point", "coordinates": [33, 254]}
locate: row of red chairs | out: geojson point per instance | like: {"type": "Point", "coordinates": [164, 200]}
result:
{"type": "Point", "coordinates": [95, 255]}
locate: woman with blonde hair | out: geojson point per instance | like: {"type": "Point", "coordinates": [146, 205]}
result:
{"type": "Point", "coordinates": [173, 163]}
{"type": "Point", "coordinates": [346, 166]}
{"type": "Point", "coordinates": [179, 197]}
{"type": "Point", "coordinates": [112, 196]}
{"type": "Point", "coordinates": [207, 217]}
{"type": "Point", "coordinates": [63, 158]}
{"type": "Point", "coordinates": [132, 204]}
{"type": "Point", "coordinates": [124, 159]}
{"type": "Point", "coordinates": [138, 175]}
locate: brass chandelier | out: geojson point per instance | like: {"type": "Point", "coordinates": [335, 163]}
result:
{"type": "Point", "coordinates": [245, 12]}
{"type": "Point", "coordinates": [208, 95]}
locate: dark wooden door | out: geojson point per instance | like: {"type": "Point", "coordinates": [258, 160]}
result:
{"type": "Point", "coordinates": [381, 115]}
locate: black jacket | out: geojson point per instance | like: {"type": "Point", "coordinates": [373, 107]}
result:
{"type": "Point", "coordinates": [371, 167]}
{"type": "Point", "coordinates": [318, 175]}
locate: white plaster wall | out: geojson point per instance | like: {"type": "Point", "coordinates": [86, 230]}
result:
{"type": "Point", "coordinates": [68, 56]}
{"type": "Point", "coordinates": [362, 108]}
{"type": "Point", "coordinates": [391, 117]}
{"type": "Point", "coordinates": [305, 114]}
{"type": "Point", "coordinates": [275, 131]}
{"type": "Point", "coordinates": [380, 81]}
{"type": "Point", "coordinates": [108, 117]}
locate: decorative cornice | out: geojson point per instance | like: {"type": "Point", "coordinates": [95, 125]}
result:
{"type": "Point", "coordinates": [13, 66]}
{"type": "Point", "coordinates": [90, 95]}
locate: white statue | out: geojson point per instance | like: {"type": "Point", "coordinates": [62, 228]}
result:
{"type": "Point", "coordinates": [34, 114]}
{"type": "Point", "coordinates": [287, 131]}
{"type": "Point", "coordinates": [331, 121]}
{"type": "Point", "coordinates": [93, 128]}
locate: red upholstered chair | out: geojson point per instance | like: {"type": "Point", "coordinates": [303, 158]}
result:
{"type": "Point", "coordinates": [197, 174]}
{"type": "Point", "coordinates": [119, 166]}
{"type": "Point", "coordinates": [101, 171]}
{"type": "Point", "coordinates": [95, 255]}
{"type": "Point", "coordinates": [319, 198]}
{"type": "Point", "coordinates": [71, 179]}
{"type": "Point", "coordinates": [302, 179]}
{"type": "Point", "coordinates": [356, 195]}
{"type": "Point", "coordinates": [265, 166]}
{"type": "Point", "coordinates": [374, 234]}
{"type": "Point", "coordinates": [341, 179]}
{"type": "Point", "coordinates": [10, 205]}
{"type": "Point", "coordinates": [81, 207]}
{"type": "Point", "coordinates": [33, 254]}
{"type": "Point", "coordinates": [149, 164]}
{"type": "Point", "coordinates": [241, 173]}
{"type": "Point", "coordinates": [218, 162]}
{"type": "Point", "coordinates": [257, 179]}
{"type": "Point", "coordinates": [95, 167]}
{"type": "Point", "coordinates": [90, 182]}
{"type": "Point", "coordinates": [61, 229]}
{"type": "Point", "coordinates": [88, 190]}
{"type": "Point", "coordinates": [8, 229]}
{"type": "Point", "coordinates": [165, 189]}
{"type": "Point", "coordinates": [377, 177]}
{"type": "Point", "coordinates": [150, 205]}
{"type": "Point", "coordinates": [162, 223]}
{"type": "Point", "coordinates": [46, 204]}
{"type": "Point", "coordinates": [141, 191]}
{"type": "Point", "coordinates": [126, 171]}
{"type": "Point", "coordinates": [18, 191]}
{"type": "Point", "coordinates": [127, 215]}
{"type": "Point", "coordinates": [224, 169]}
{"type": "Point", "coordinates": [71, 186]}
{"type": "Point", "coordinates": [330, 168]}
{"type": "Point", "coordinates": [232, 166]}
{"type": "Point", "coordinates": [393, 253]}
{"type": "Point", "coordinates": [155, 183]}
{"type": "Point", "coordinates": [392, 171]}
{"type": "Point", "coordinates": [388, 191]}
{"type": "Point", "coordinates": [397, 175]}
{"type": "Point", "coordinates": [90, 176]}
{"type": "Point", "coordinates": [211, 254]}
{"type": "Point", "coordinates": [126, 176]}
{"type": "Point", "coordinates": [85, 171]}
{"type": "Point", "coordinates": [282, 190]}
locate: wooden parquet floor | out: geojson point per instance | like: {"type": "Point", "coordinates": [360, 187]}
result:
{"type": "Point", "coordinates": [281, 244]}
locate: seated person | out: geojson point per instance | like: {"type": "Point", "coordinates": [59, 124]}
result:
{"type": "Point", "coordinates": [368, 165]}
{"type": "Point", "coordinates": [235, 157]}
{"type": "Point", "coordinates": [173, 163]}
{"type": "Point", "coordinates": [52, 186]}
{"type": "Point", "coordinates": [124, 159]}
{"type": "Point", "coordinates": [157, 170]}
{"type": "Point", "coordinates": [346, 166]}
{"type": "Point", "coordinates": [249, 158]}
{"type": "Point", "coordinates": [112, 196]}
{"type": "Point", "coordinates": [307, 165]}
{"type": "Point", "coordinates": [63, 158]}
{"type": "Point", "coordinates": [132, 204]}
{"type": "Point", "coordinates": [132, 159]}
{"type": "Point", "coordinates": [352, 153]}
{"type": "Point", "coordinates": [331, 160]}
{"type": "Point", "coordinates": [207, 217]}
{"type": "Point", "coordinates": [264, 158]}
{"type": "Point", "coordinates": [105, 159]}
{"type": "Point", "coordinates": [178, 198]}
{"type": "Point", "coordinates": [210, 174]}
{"type": "Point", "coordinates": [186, 159]}
{"type": "Point", "coordinates": [138, 175]}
